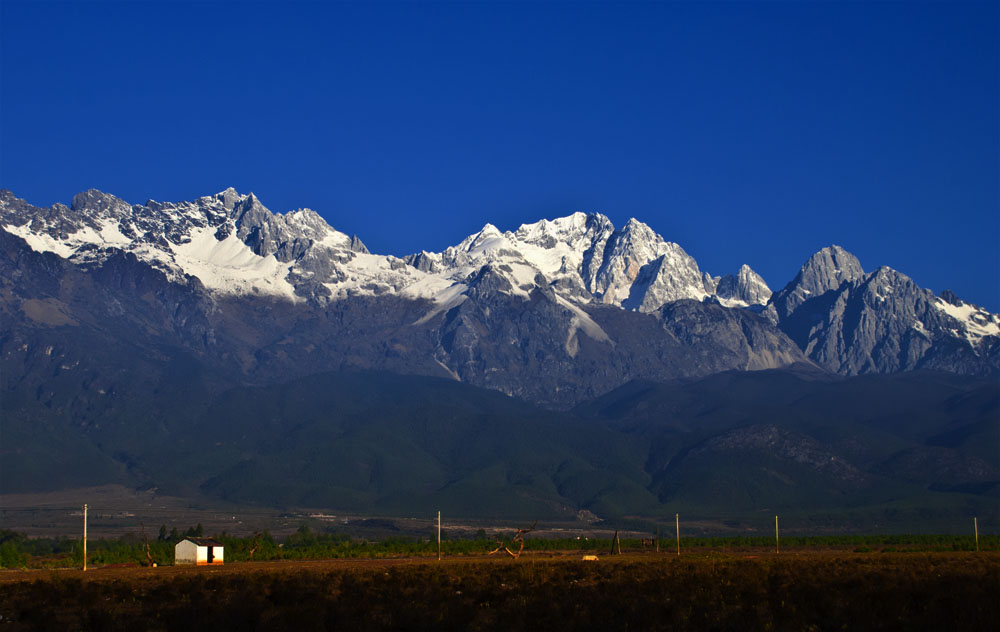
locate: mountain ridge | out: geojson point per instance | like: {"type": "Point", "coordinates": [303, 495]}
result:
{"type": "Point", "coordinates": [570, 250]}
{"type": "Point", "coordinates": [555, 311]}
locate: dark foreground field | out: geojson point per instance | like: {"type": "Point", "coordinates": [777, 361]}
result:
{"type": "Point", "coordinates": [705, 591]}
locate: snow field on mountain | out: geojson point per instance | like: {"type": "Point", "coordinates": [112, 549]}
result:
{"type": "Point", "coordinates": [41, 242]}
{"type": "Point", "coordinates": [230, 266]}
{"type": "Point", "coordinates": [444, 294]}
{"type": "Point", "coordinates": [978, 323]}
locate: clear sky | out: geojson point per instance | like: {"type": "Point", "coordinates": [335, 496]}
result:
{"type": "Point", "coordinates": [746, 132]}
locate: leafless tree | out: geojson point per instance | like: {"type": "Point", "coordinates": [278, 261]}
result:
{"type": "Point", "coordinates": [518, 537]}
{"type": "Point", "coordinates": [145, 539]}
{"type": "Point", "coordinates": [256, 545]}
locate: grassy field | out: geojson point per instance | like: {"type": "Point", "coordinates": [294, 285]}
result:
{"type": "Point", "coordinates": [754, 589]}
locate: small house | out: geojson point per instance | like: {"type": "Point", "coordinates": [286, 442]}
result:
{"type": "Point", "coordinates": [200, 551]}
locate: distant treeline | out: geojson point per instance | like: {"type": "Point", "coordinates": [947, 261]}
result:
{"type": "Point", "coordinates": [17, 550]}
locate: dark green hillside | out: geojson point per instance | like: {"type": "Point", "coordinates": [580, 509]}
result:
{"type": "Point", "coordinates": [871, 450]}
{"type": "Point", "coordinates": [390, 443]}
{"type": "Point", "coordinates": [802, 440]}
{"type": "Point", "coordinates": [867, 417]}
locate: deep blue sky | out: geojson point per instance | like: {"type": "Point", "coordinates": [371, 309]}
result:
{"type": "Point", "coordinates": [748, 132]}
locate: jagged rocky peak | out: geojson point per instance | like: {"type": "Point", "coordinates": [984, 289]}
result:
{"type": "Point", "coordinates": [96, 203]}
{"type": "Point", "coordinates": [828, 269]}
{"type": "Point", "coordinates": [424, 261]}
{"type": "Point", "coordinates": [672, 273]}
{"type": "Point", "coordinates": [488, 280]}
{"type": "Point", "coordinates": [359, 246]}
{"type": "Point", "coordinates": [477, 244]}
{"type": "Point", "coordinates": [626, 252]}
{"type": "Point", "coordinates": [583, 258]}
{"type": "Point", "coordinates": [228, 198]}
{"type": "Point", "coordinates": [710, 282]}
{"type": "Point", "coordinates": [950, 298]}
{"type": "Point", "coordinates": [884, 322]}
{"type": "Point", "coordinates": [307, 220]}
{"type": "Point", "coordinates": [484, 238]}
{"type": "Point", "coordinates": [893, 295]}
{"type": "Point", "coordinates": [578, 231]}
{"type": "Point", "coordinates": [545, 232]}
{"type": "Point", "coordinates": [286, 236]}
{"type": "Point", "coordinates": [823, 272]}
{"type": "Point", "coordinates": [666, 272]}
{"type": "Point", "coordinates": [746, 288]}
{"type": "Point", "coordinates": [572, 247]}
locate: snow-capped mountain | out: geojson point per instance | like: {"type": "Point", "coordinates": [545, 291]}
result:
{"type": "Point", "coordinates": [233, 244]}
{"type": "Point", "coordinates": [584, 259]}
{"type": "Point", "coordinates": [229, 242]}
{"type": "Point", "coordinates": [554, 311]}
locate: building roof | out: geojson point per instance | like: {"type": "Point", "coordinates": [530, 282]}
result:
{"type": "Point", "coordinates": [204, 541]}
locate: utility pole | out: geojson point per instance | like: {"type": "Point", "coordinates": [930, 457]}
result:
{"type": "Point", "coordinates": [439, 536]}
{"type": "Point", "coordinates": [776, 549]}
{"type": "Point", "coordinates": [84, 536]}
{"type": "Point", "coordinates": [677, 525]}
{"type": "Point", "coordinates": [975, 523]}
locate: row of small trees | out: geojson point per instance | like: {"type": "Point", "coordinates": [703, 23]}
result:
{"type": "Point", "coordinates": [175, 536]}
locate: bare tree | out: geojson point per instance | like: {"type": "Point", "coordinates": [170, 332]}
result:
{"type": "Point", "coordinates": [256, 545]}
{"type": "Point", "coordinates": [145, 539]}
{"type": "Point", "coordinates": [518, 537]}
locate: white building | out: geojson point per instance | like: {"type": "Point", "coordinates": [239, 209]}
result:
{"type": "Point", "coordinates": [200, 551]}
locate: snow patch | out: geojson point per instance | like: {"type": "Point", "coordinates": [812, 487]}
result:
{"type": "Point", "coordinates": [444, 301]}
{"type": "Point", "coordinates": [111, 234]}
{"type": "Point", "coordinates": [732, 302]}
{"type": "Point", "coordinates": [919, 327]}
{"type": "Point", "coordinates": [976, 323]}
{"type": "Point", "coordinates": [40, 242]}
{"type": "Point", "coordinates": [230, 266]}
{"type": "Point", "coordinates": [450, 372]}
{"type": "Point", "coordinates": [581, 320]}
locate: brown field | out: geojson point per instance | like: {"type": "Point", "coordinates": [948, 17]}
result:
{"type": "Point", "coordinates": [714, 590]}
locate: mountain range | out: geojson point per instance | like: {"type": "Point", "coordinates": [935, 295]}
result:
{"type": "Point", "coordinates": [123, 322]}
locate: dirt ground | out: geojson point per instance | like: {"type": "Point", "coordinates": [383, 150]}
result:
{"type": "Point", "coordinates": [741, 591]}
{"type": "Point", "coordinates": [702, 556]}
{"type": "Point", "coordinates": [166, 573]}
